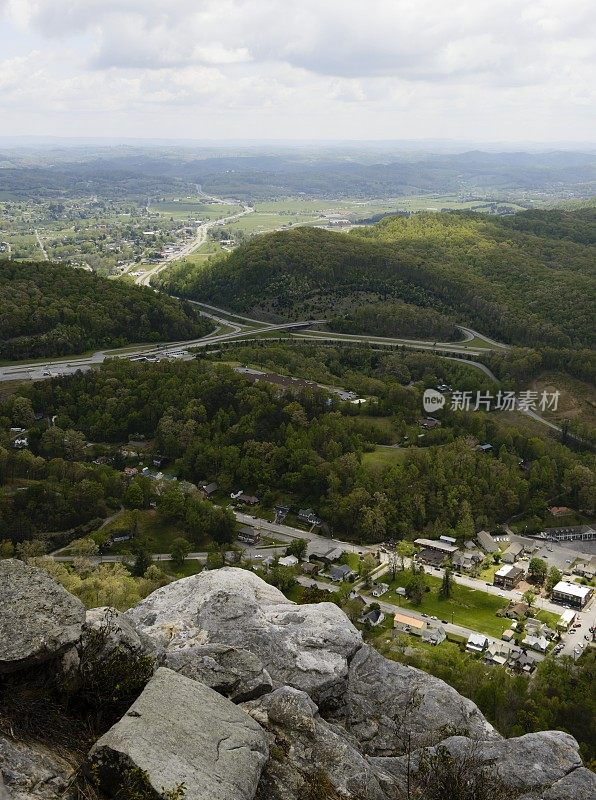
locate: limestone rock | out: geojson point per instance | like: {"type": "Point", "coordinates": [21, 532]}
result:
{"type": "Point", "coordinates": [181, 731]}
{"type": "Point", "coordinates": [233, 672]}
{"type": "Point", "coordinates": [579, 785]}
{"type": "Point", "coordinates": [528, 765]}
{"type": "Point", "coordinates": [31, 771]}
{"type": "Point", "coordinates": [306, 646]}
{"type": "Point", "coordinates": [387, 704]}
{"type": "Point", "coordinates": [39, 619]}
{"type": "Point", "coordinates": [306, 751]}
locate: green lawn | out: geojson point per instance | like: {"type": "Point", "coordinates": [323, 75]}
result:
{"type": "Point", "coordinates": [188, 568]}
{"type": "Point", "coordinates": [467, 607]}
{"type": "Point", "coordinates": [385, 456]}
{"type": "Point", "coordinates": [155, 532]}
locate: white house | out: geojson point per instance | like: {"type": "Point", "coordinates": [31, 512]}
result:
{"type": "Point", "coordinates": [379, 589]}
{"type": "Point", "coordinates": [288, 561]}
{"type": "Point", "coordinates": [477, 643]}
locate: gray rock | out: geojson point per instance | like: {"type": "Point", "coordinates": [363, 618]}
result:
{"type": "Point", "coordinates": [579, 785]}
{"type": "Point", "coordinates": [306, 751]}
{"type": "Point", "coordinates": [306, 646]}
{"type": "Point", "coordinates": [31, 771]}
{"type": "Point", "coordinates": [39, 619]}
{"type": "Point", "coordinates": [233, 672]}
{"type": "Point", "coordinates": [388, 704]}
{"type": "Point", "coordinates": [528, 766]}
{"type": "Point", "coordinates": [180, 731]}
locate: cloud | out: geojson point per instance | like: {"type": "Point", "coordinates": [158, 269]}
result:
{"type": "Point", "coordinates": [367, 62]}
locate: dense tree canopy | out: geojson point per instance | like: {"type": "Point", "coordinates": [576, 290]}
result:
{"type": "Point", "coordinates": [527, 280]}
{"type": "Point", "coordinates": [53, 310]}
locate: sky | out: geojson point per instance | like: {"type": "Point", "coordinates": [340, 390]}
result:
{"type": "Point", "coordinates": [316, 69]}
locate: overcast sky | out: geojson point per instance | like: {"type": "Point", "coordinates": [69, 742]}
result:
{"type": "Point", "coordinates": [318, 69]}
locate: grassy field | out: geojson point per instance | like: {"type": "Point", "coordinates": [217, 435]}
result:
{"type": "Point", "coordinates": [157, 534]}
{"type": "Point", "coordinates": [189, 208]}
{"type": "Point", "coordinates": [466, 607]}
{"type": "Point", "coordinates": [385, 456]}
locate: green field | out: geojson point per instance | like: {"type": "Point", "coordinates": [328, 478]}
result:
{"type": "Point", "coordinates": [189, 208]}
{"type": "Point", "coordinates": [386, 456]}
{"type": "Point", "coordinates": [155, 533]}
{"type": "Point", "coordinates": [467, 607]}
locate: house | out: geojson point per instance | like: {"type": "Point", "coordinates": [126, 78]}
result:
{"type": "Point", "coordinates": [130, 472]}
{"type": "Point", "coordinates": [434, 635]}
{"type": "Point", "coordinates": [516, 610]}
{"type": "Point", "coordinates": [373, 617]}
{"type": "Point", "coordinates": [281, 512]}
{"type": "Point", "coordinates": [559, 511]}
{"type": "Point", "coordinates": [248, 535]}
{"type": "Point", "coordinates": [508, 635]}
{"type": "Point", "coordinates": [508, 576]}
{"type": "Point", "coordinates": [513, 552]}
{"type": "Point", "coordinates": [379, 589]}
{"type": "Point", "coordinates": [484, 448]}
{"type": "Point", "coordinates": [310, 569]}
{"type": "Point", "coordinates": [322, 552]}
{"type": "Point", "coordinates": [477, 643]}
{"type": "Point", "coordinates": [497, 653]}
{"type": "Point", "coordinates": [209, 489]}
{"type": "Point", "coordinates": [408, 624]}
{"type": "Point", "coordinates": [288, 561]}
{"type": "Point", "coordinates": [486, 542]}
{"type": "Point", "coordinates": [401, 591]}
{"type": "Point", "coordinates": [570, 533]}
{"type": "Point", "coordinates": [428, 423]}
{"type": "Point", "coordinates": [567, 619]}
{"type": "Point", "coordinates": [357, 600]}
{"type": "Point", "coordinates": [521, 660]}
{"type": "Point", "coordinates": [466, 560]}
{"type": "Point", "coordinates": [20, 442]}
{"type": "Point", "coordinates": [248, 499]}
{"type": "Point", "coordinates": [269, 561]}
{"type": "Point", "coordinates": [586, 568]}
{"type": "Point", "coordinates": [571, 594]}
{"type": "Point", "coordinates": [308, 515]}
{"type": "Point", "coordinates": [538, 643]}
{"type": "Point", "coordinates": [341, 573]}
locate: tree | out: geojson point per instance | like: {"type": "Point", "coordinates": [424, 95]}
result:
{"type": "Point", "coordinates": [298, 548]}
{"type": "Point", "coordinates": [6, 548]}
{"type": "Point", "coordinates": [537, 570]}
{"type": "Point", "coordinates": [84, 547]}
{"type": "Point", "coordinates": [22, 412]}
{"type": "Point", "coordinates": [415, 588]}
{"type": "Point", "coordinates": [367, 565]}
{"type": "Point", "coordinates": [405, 550]}
{"type": "Point", "coordinates": [133, 496]}
{"type": "Point", "coordinates": [446, 585]}
{"type": "Point", "coordinates": [180, 549]}
{"type": "Point", "coordinates": [171, 502]}
{"type": "Point", "coordinates": [141, 563]}
{"type": "Point", "coordinates": [529, 597]}
{"type": "Point", "coordinates": [554, 576]}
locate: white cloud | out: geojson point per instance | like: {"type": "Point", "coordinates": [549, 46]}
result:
{"type": "Point", "coordinates": [323, 61]}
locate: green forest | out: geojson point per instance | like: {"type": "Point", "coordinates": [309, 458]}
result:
{"type": "Point", "coordinates": [54, 310]}
{"type": "Point", "coordinates": [526, 279]}
{"type": "Point", "coordinates": [306, 447]}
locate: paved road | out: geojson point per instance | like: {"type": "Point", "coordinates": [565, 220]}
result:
{"type": "Point", "coordinates": [201, 237]}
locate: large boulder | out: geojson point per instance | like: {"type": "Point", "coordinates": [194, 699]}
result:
{"type": "Point", "coordinates": [530, 767]}
{"type": "Point", "coordinates": [305, 646]}
{"type": "Point", "coordinates": [178, 732]}
{"type": "Point", "coordinates": [30, 771]}
{"type": "Point", "coordinates": [307, 752]}
{"type": "Point", "coordinates": [233, 672]}
{"type": "Point", "coordinates": [39, 619]}
{"type": "Point", "coordinates": [389, 707]}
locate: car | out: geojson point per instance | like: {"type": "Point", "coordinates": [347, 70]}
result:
{"type": "Point", "coordinates": [435, 618]}
{"type": "Point", "coordinates": [580, 645]}
{"type": "Point", "coordinates": [258, 556]}
{"type": "Point", "coordinates": [444, 621]}
{"type": "Point", "coordinates": [587, 638]}
{"type": "Point", "coordinates": [424, 615]}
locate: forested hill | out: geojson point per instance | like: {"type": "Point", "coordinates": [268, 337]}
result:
{"type": "Point", "coordinates": [527, 279]}
{"type": "Point", "coordinates": [52, 310]}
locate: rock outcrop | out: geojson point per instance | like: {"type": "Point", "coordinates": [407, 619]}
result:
{"type": "Point", "coordinates": [30, 771]}
{"type": "Point", "coordinates": [39, 619]}
{"type": "Point", "coordinates": [181, 732]}
{"type": "Point", "coordinates": [257, 698]}
{"type": "Point", "coordinates": [305, 646]}
{"type": "Point", "coordinates": [235, 673]}
{"type": "Point", "coordinates": [389, 707]}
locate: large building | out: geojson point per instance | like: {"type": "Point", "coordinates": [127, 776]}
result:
{"type": "Point", "coordinates": [571, 594]}
{"type": "Point", "coordinates": [513, 552]}
{"type": "Point", "coordinates": [570, 533]}
{"type": "Point", "coordinates": [508, 576]}
{"type": "Point", "coordinates": [248, 535]}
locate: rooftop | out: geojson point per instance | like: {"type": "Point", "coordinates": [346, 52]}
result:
{"type": "Point", "coordinates": [572, 589]}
